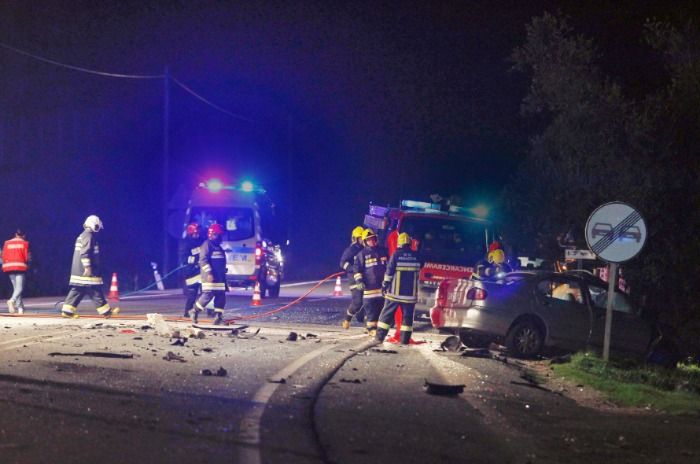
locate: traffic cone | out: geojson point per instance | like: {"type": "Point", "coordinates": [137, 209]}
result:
{"type": "Point", "coordinates": [338, 290]}
{"type": "Point", "coordinates": [113, 288]}
{"type": "Point", "coordinates": [256, 295]}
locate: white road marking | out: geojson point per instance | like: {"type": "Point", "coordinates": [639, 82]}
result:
{"type": "Point", "coordinates": [249, 429]}
{"type": "Point", "coordinates": [17, 342]}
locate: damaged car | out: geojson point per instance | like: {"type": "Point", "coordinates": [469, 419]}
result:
{"type": "Point", "coordinates": [529, 312]}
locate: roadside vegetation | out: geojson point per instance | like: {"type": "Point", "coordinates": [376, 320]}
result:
{"type": "Point", "coordinates": [675, 391]}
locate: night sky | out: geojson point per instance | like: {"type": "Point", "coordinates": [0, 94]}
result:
{"type": "Point", "coordinates": [335, 104]}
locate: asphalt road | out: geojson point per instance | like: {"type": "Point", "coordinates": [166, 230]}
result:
{"type": "Point", "coordinates": [330, 396]}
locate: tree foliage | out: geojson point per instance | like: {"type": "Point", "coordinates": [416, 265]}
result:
{"type": "Point", "coordinates": [596, 145]}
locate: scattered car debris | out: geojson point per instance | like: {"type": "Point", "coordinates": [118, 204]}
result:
{"type": "Point", "coordinates": [179, 342]}
{"type": "Point", "coordinates": [251, 335]}
{"type": "Point", "coordinates": [280, 380]}
{"type": "Point", "coordinates": [351, 380]}
{"type": "Point", "coordinates": [192, 332]}
{"type": "Point", "coordinates": [96, 354]}
{"type": "Point", "coordinates": [292, 337]}
{"type": "Point", "coordinates": [220, 372]}
{"type": "Point", "coordinates": [219, 327]}
{"type": "Point", "coordinates": [162, 328]}
{"type": "Point", "coordinates": [380, 350]}
{"type": "Point", "coordinates": [173, 357]}
{"type": "Point", "coordinates": [93, 325]}
{"type": "Point", "coordinates": [440, 388]}
{"type": "Point", "coordinates": [451, 343]}
{"type": "Point", "coordinates": [476, 353]}
{"type": "Point", "coordinates": [127, 331]}
{"type": "Point", "coordinates": [310, 335]}
{"type": "Point", "coordinates": [138, 338]}
{"type": "Point", "coordinates": [208, 350]}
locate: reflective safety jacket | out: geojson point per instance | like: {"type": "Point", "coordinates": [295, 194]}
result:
{"type": "Point", "coordinates": [86, 253]}
{"type": "Point", "coordinates": [402, 276]}
{"type": "Point", "coordinates": [189, 257]}
{"type": "Point", "coordinates": [369, 268]}
{"type": "Point", "coordinates": [347, 259]}
{"type": "Point", "coordinates": [15, 255]}
{"type": "Point", "coordinates": [212, 261]}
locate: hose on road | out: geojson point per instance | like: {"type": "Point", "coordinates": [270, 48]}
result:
{"type": "Point", "coordinates": [288, 305]}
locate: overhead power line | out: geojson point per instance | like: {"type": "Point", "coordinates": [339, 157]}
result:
{"type": "Point", "coordinates": [78, 68]}
{"type": "Point", "coordinates": [196, 95]}
{"type": "Point", "coordinates": [124, 76]}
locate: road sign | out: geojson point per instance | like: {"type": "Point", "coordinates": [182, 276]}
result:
{"type": "Point", "coordinates": [616, 232]}
{"type": "Point", "coordinates": [579, 254]}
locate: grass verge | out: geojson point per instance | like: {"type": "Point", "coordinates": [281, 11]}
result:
{"type": "Point", "coordinates": [672, 391]}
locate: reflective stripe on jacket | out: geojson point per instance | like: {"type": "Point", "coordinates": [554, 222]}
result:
{"type": "Point", "coordinates": [402, 273]}
{"type": "Point", "coordinates": [15, 255]}
{"type": "Point", "coordinates": [86, 253]}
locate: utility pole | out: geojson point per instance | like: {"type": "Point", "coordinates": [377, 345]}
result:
{"type": "Point", "coordinates": [166, 166]}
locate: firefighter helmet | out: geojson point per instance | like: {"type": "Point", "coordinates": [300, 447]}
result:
{"type": "Point", "coordinates": [192, 228]}
{"type": "Point", "coordinates": [93, 223]}
{"type": "Point", "coordinates": [368, 234]}
{"type": "Point", "coordinates": [356, 233]}
{"type": "Point", "coordinates": [215, 229]}
{"type": "Point", "coordinates": [403, 240]}
{"type": "Point", "coordinates": [496, 256]}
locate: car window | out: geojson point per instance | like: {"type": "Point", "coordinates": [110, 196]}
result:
{"type": "Point", "coordinates": [569, 291]}
{"type": "Point", "coordinates": [599, 298]}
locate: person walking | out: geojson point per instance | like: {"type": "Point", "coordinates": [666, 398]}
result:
{"type": "Point", "coordinates": [15, 263]}
{"type": "Point", "coordinates": [369, 267]}
{"type": "Point", "coordinates": [347, 260]}
{"type": "Point", "coordinates": [400, 288]}
{"type": "Point", "coordinates": [189, 259]}
{"type": "Point", "coordinates": [212, 263]}
{"type": "Point", "coordinates": [85, 278]}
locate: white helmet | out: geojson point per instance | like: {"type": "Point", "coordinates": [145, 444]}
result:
{"type": "Point", "coordinates": [93, 223]}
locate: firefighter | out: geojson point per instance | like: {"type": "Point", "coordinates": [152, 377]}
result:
{"type": "Point", "coordinates": [212, 263]}
{"type": "Point", "coordinates": [347, 261]}
{"type": "Point", "coordinates": [400, 287]}
{"type": "Point", "coordinates": [494, 266]}
{"type": "Point", "coordinates": [189, 254]}
{"type": "Point", "coordinates": [85, 278]}
{"type": "Point", "coordinates": [369, 267]}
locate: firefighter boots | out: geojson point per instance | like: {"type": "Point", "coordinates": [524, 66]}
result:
{"type": "Point", "coordinates": [219, 319]}
{"type": "Point", "coordinates": [111, 312]}
{"type": "Point", "coordinates": [345, 324]}
{"type": "Point", "coordinates": [195, 316]}
{"type": "Point", "coordinates": [187, 314]}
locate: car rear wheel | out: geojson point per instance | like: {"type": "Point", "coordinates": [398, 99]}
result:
{"type": "Point", "coordinates": [525, 340]}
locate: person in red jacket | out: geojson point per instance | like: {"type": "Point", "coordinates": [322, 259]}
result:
{"type": "Point", "coordinates": [15, 262]}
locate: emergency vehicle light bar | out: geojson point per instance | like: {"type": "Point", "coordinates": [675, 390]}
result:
{"type": "Point", "coordinates": [420, 206]}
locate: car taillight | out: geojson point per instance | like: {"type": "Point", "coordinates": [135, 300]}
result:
{"type": "Point", "coordinates": [476, 293]}
{"type": "Point", "coordinates": [258, 254]}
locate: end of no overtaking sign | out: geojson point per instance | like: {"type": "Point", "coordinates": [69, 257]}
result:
{"type": "Point", "coordinates": [616, 232]}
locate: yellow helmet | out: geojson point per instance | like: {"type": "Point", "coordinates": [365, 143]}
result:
{"type": "Point", "coordinates": [404, 239]}
{"type": "Point", "coordinates": [496, 256]}
{"type": "Point", "coordinates": [356, 233]}
{"type": "Point", "coordinates": [367, 234]}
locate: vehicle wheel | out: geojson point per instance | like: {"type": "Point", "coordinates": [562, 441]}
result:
{"type": "Point", "coordinates": [274, 291]}
{"type": "Point", "coordinates": [525, 340]}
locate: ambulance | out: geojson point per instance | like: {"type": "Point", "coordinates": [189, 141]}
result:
{"type": "Point", "coordinates": [250, 256]}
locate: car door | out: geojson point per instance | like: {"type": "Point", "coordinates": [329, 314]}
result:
{"type": "Point", "coordinates": [630, 334]}
{"type": "Point", "coordinates": [560, 302]}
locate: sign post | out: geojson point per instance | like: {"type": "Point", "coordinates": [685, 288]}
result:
{"type": "Point", "coordinates": [615, 232]}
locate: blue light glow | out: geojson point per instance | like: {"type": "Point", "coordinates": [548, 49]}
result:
{"type": "Point", "coordinates": [480, 211]}
{"type": "Point", "coordinates": [247, 186]}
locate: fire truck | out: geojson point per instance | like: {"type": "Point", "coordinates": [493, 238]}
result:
{"type": "Point", "coordinates": [241, 210]}
{"type": "Point", "coordinates": [449, 240]}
